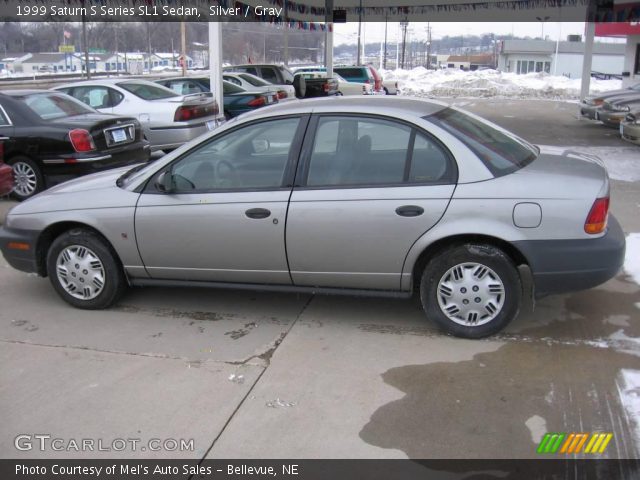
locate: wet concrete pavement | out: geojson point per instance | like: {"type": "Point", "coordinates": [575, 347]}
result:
{"type": "Point", "coordinates": [325, 377]}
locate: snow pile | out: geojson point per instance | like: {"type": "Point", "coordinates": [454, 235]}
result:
{"type": "Point", "coordinates": [632, 257]}
{"type": "Point", "coordinates": [421, 82]}
{"type": "Point", "coordinates": [629, 391]}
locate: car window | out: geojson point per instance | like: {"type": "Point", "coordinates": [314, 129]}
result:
{"type": "Point", "coordinates": [358, 151]}
{"type": "Point", "coordinates": [233, 80]}
{"type": "Point", "coordinates": [147, 91]}
{"type": "Point", "coordinates": [184, 87]}
{"type": "Point", "coordinates": [430, 163]}
{"type": "Point", "coordinates": [95, 97]}
{"type": "Point", "coordinates": [4, 120]}
{"type": "Point", "coordinates": [350, 73]}
{"type": "Point", "coordinates": [49, 106]}
{"type": "Point", "coordinates": [251, 70]}
{"type": "Point", "coordinates": [252, 157]}
{"type": "Point", "coordinates": [228, 88]}
{"type": "Point", "coordinates": [502, 152]}
{"type": "Point", "coordinates": [269, 74]}
{"type": "Point", "coordinates": [255, 81]}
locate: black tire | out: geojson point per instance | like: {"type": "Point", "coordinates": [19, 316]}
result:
{"type": "Point", "coordinates": [114, 283]}
{"type": "Point", "coordinates": [386, 91]}
{"type": "Point", "coordinates": [29, 179]}
{"type": "Point", "coordinates": [499, 264]}
{"type": "Point", "coordinates": [300, 84]}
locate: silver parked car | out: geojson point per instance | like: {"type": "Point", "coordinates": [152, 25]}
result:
{"type": "Point", "coordinates": [369, 196]}
{"type": "Point", "coordinates": [167, 118]}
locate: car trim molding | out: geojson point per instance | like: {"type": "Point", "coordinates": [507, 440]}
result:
{"type": "Point", "coordinates": [58, 161]}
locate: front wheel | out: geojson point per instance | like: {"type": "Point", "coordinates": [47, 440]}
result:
{"type": "Point", "coordinates": [471, 290]}
{"type": "Point", "coordinates": [84, 270]}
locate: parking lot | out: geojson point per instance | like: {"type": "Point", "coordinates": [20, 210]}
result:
{"type": "Point", "coordinates": [265, 375]}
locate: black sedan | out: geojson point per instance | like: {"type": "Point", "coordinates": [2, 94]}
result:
{"type": "Point", "coordinates": [48, 137]}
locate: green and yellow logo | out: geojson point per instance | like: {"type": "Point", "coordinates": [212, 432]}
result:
{"type": "Point", "coordinates": [569, 443]}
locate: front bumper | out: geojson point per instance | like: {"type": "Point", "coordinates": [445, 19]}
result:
{"type": "Point", "coordinates": [611, 119]}
{"type": "Point", "coordinates": [631, 132]}
{"type": "Point", "coordinates": [561, 266]}
{"type": "Point", "coordinates": [19, 248]}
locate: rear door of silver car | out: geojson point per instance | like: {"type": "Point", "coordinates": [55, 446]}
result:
{"type": "Point", "coordinates": [367, 188]}
{"type": "Point", "coordinates": [225, 219]}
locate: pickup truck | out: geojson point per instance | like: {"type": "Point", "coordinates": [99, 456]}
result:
{"type": "Point", "coordinates": [316, 84]}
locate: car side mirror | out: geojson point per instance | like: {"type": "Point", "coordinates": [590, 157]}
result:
{"type": "Point", "coordinates": [164, 182]}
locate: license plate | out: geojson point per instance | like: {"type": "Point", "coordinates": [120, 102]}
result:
{"type": "Point", "coordinates": [211, 124]}
{"type": "Point", "coordinates": [119, 135]}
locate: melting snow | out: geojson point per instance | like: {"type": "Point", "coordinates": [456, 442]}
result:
{"type": "Point", "coordinates": [537, 426]}
{"type": "Point", "coordinates": [491, 83]}
{"type": "Point", "coordinates": [632, 258]}
{"type": "Point", "coordinates": [629, 392]}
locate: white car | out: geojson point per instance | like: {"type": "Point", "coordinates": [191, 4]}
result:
{"type": "Point", "coordinates": [344, 87]}
{"type": "Point", "coordinates": [168, 119]}
{"type": "Point", "coordinates": [391, 87]}
{"type": "Point", "coordinates": [256, 84]}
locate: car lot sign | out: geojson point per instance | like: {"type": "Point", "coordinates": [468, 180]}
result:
{"type": "Point", "coordinates": [66, 48]}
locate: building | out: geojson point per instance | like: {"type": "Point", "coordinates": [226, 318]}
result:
{"type": "Point", "coordinates": [171, 60]}
{"type": "Point", "coordinates": [469, 62]}
{"type": "Point", "coordinates": [630, 31]}
{"type": "Point", "coordinates": [525, 56]}
{"type": "Point", "coordinates": [48, 62]}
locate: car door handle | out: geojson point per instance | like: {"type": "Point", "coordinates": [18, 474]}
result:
{"type": "Point", "coordinates": [410, 211]}
{"type": "Point", "coordinates": [257, 213]}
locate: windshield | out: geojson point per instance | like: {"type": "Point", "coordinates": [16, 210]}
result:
{"type": "Point", "coordinates": [255, 81]}
{"type": "Point", "coordinates": [501, 151]}
{"type": "Point", "coordinates": [49, 106]}
{"type": "Point", "coordinates": [147, 91]}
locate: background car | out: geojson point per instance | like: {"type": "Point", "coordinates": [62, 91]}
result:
{"type": "Point", "coordinates": [237, 100]}
{"type": "Point", "coordinates": [593, 103]}
{"type": "Point", "coordinates": [252, 83]}
{"type": "Point", "coordinates": [358, 74]}
{"type": "Point", "coordinates": [168, 119]}
{"type": "Point", "coordinates": [388, 197]}
{"type": "Point", "coordinates": [630, 127]}
{"type": "Point", "coordinates": [344, 87]}
{"type": "Point", "coordinates": [615, 109]}
{"type": "Point", "coordinates": [48, 137]}
{"type": "Point", "coordinates": [391, 87]}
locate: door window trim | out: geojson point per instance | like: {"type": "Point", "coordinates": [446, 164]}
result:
{"type": "Point", "coordinates": [302, 173]}
{"type": "Point", "coordinates": [289, 169]}
{"type": "Point", "coordinates": [6, 116]}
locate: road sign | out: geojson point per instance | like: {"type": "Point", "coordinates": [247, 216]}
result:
{"type": "Point", "coordinates": [66, 48]}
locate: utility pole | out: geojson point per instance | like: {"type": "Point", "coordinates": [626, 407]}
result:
{"type": "Point", "coordinates": [116, 42]}
{"type": "Point", "coordinates": [183, 47]}
{"type": "Point", "coordinates": [359, 31]}
{"type": "Point", "coordinates": [428, 46]}
{"type": "Point", "coordinates": [86, 46]}
{"type": "Point", "coordinates": [384, 59]}
{"type": "Point", "coordinates": [404, 26]}
{"type": "Point", "coordinates": [285, 52]}
{"type": "Point", "coordinates": [149, 45]}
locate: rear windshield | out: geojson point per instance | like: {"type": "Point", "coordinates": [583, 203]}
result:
{"type": "Point", "coordinates": [501, 151]}
{"type": "Point", "coordinates": [49, 106]}
{"type": "Point", "coordinates": [146, 91]}
{"type": "Point", "coordinates": [350, 72]}
{"type": "Point", "coordinates": [255, 81]}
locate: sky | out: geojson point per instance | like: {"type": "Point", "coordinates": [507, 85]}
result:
{"type": "Point", "coordinates": [374, 31]}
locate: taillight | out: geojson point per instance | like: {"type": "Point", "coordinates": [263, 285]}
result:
{"type": "Point", "coordinates": [189, 112]}
{"type": "Point", "coordinates": [597, 219]}
{"type": "Point", "coordinates": [282, 94]}
{"type": "Point", "coordinates": [257, 102]}
{"type": "Point", "coordinates": [326, 87]}
{"type": "Point", "coordinates": [81, 140]}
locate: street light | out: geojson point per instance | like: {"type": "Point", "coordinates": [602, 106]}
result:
{"type": "Point", "coordinates": [542, 20]}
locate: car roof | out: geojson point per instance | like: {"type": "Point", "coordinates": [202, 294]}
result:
{"type": "Point", "coordinates": [398, 107]}
{"type": "Point", "coordinates": [104, 81]}
{"type": "Point", "coordinates": [20, 93]}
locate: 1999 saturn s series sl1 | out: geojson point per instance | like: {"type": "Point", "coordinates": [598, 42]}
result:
{"type": "Point", "coordinates": [369, 196]}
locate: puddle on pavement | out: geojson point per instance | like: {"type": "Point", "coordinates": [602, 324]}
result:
{"type": "Point", "coordinates": [563, 375]}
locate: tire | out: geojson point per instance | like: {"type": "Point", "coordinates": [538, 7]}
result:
{"type": "Point", "coordinates": [452, 277]}
{"type": "Point", "coordinates": [300, 84]}
{"type": "Point", "coordinates": [103, 274]}
{"type": "Point", "coordinates": [386, 91]}
{"type": "Point", "coordinates": [28, 178]}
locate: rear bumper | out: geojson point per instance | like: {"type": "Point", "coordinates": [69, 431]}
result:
{"type": "Point", "coordinates": [561, 266]}
{"type": "Point", "coordinates": [176, 135]}
{"type": "Point", "coordinates": [24, 259]}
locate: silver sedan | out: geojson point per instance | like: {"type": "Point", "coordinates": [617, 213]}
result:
{"type": "Point", "coordinates": [365, 196]}
{"type": "Point", "coordinates": [167, 119]}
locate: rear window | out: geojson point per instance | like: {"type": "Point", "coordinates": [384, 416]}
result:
{"type": "Point", "coordinates": [255, 81]}
{"type": "Point", "coordinates": [501, 151]}
{"type": "Point", "coordinates": [231, 88]}
{"type": "Point", "coordinates": [350, 72]}
{"type": "Point", "coordinates": [49, 106]}
{"type": "Point", "coordinates": [146, 91]}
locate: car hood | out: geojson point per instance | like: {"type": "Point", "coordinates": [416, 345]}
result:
{"type": "Point", "coordinates": [98, 190]}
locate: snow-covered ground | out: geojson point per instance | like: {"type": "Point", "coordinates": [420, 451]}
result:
{"type": "Point", "coordinates": [491, 83]}
{"type": "Point", "coordinates": [632, 257]}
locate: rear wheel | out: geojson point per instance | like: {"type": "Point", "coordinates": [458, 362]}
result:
{"type": "Point", "coordinates": [28, 178]}
{"type": "Point", "coordinates": [84, 270]}
{"type": "Point", "coordinates": [471, 290]}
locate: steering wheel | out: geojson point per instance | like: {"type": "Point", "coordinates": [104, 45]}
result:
{"type": "Point", "coordinates": [232, 171]}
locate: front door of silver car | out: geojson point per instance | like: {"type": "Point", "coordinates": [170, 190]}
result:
{"type": "Point", "coordinates": [218, 213]}
{"type": "Point", "coordinates": [367, 189]}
